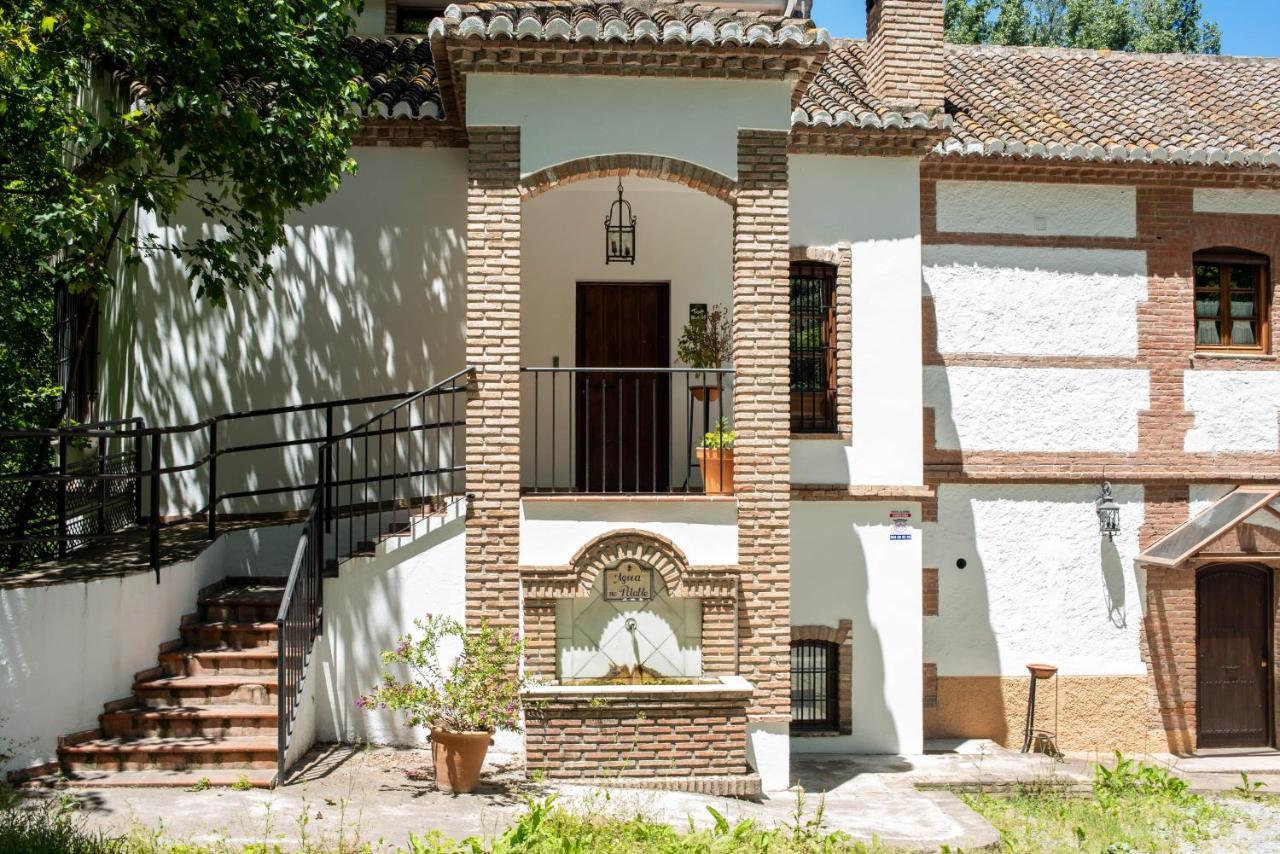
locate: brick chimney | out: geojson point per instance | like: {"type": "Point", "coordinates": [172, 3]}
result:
{"type": "Point", "coordinates": [905, 54]}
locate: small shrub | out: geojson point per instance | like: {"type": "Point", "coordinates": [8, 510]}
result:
{"type": "Point", "coordinates": [51, 828]}
{"type": "Point", "coordinates": [242, 784]}
{"type": "Point", "coordinates": [201, 785]}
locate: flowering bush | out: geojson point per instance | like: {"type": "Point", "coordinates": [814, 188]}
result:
{"type": "Point", "coordinates": [478, 691]}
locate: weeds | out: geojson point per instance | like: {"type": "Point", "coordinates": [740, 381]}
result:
{"type": "Point", "coordinates": [1249, 789]}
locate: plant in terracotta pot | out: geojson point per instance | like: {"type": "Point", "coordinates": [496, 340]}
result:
{"type": "Point", "coordinates": [715, 458]}
{"type": "Point", "coordinates": [462, 699]}
{"type": "Point", "coordinates": [705, 342]}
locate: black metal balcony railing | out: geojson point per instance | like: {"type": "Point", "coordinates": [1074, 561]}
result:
{"type": "Point", "coordinates": [619, 430]}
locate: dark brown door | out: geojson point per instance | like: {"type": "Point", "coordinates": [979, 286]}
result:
{"type": "Point", "coordinates": [623, 438]}
{"type": "Point", "coordinates": [1233, 658]}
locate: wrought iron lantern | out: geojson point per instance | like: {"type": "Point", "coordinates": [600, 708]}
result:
{"type": "Point", "coordinates": [620, 232]}
{"type": "Point", "coordinates": [1108, 513]}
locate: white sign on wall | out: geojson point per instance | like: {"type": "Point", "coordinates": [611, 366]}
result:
{"type": "Point", "coordinates": [901, 531]}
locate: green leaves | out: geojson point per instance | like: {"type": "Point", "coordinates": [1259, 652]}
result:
{"type": "Point", "coordinates": [1160, 26]}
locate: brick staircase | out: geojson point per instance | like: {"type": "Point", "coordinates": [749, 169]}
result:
{"type": "Point", "coordinates": [207, 711]}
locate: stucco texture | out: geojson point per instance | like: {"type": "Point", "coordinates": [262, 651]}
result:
{"type": "Point", "coordinates": [1089, 713]}
{"type": "Point", "coordinates": [1006, 207]}
{"type": "Point", "coordinates": [1235, 410]}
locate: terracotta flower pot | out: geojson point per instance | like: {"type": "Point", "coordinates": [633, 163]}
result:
{"type": "Point", "coordinates": [1042, 671]}
{"type": "Point", "coordinates": [458, 757]}
{"type": "Point", "coordinates": [717, 470]}
{"type": "Point", "coordinates": [708, 392]}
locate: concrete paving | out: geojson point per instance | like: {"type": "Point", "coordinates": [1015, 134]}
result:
{"type": "Point", "coordinates": [381, 795]}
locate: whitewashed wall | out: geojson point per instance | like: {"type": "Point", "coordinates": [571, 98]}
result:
{"type": "Point", "coordinates": [684, 238]}
{"type": "Point", "coordinates": [1036, 409]}
{"type": "Point", "coordinates": [1234, 410]}
{"type": "Point", "coordinates": [369, 298]}
{"type": "Point", "coordinates": [872, 205]}
{"type": "Point", "coordinates": [367, 609]}
{"type": "Point", "coordinates": [845, 566]}
{"type": "Point", "coordinates": [562, 118]}
{"type": "Point", "coordinates": [1008, 207]}
{"type": "Point", "coordinates": [1040, 583]}
{"type": "Point", "coordinates": [1211, 200]}
{"type": "Point", "coordinates": [552, 532]}
{"type": "Point", "coordinates": [372, 18]}
{"type": "Point", "coordinates": [65, 649]}
{"type": "Point", "coordinates": [1035, 301]}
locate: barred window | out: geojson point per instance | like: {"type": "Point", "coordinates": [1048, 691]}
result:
{"type": "Point", "coordinates": [815, 685]}
{"type": "Point", "coordinates": [813, 360]}
{"type": "Point", "coordinates": [1231, 300]}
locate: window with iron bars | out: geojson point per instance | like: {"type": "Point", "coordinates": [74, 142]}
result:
{"type": "Point", "coordinates": [75, 353]}
{"type": "Point", "coordinates": [813, 362]}
{"type": "Point", "coordinates": [815, 695]}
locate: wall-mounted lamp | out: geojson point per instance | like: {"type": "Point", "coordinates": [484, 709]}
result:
{"type": "Point", "coordinates": [1108, 513]}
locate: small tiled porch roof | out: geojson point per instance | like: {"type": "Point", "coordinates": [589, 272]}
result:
{"type": "Point", "coordinates": [1243, 522]}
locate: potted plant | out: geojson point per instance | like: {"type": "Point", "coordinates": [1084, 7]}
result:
{"type": "Point", "coordinates": [705, 343]}
{"type": "Point", "coordinates": [715, 458]}
{"type": "Point", "coordinates": [462, 700]}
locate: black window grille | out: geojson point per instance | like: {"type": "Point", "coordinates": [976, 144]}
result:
{"type": "Point", "coordinates": [815, 691]}
{"type": "Point", "coordinates": [75, 360]}
{"type": "Point", "coordinates": [813, 297]}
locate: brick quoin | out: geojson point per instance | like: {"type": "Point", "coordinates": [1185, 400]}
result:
{"type": "Point", "coordinates": [1169, 232]}
{"type": "Point", "coordinates": [493, 349]}
{"type": "Point", "coordinates": [761, 414]}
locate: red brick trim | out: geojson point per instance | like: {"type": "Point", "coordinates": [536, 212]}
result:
{"type": "Point", "coordinates": [408, 133]}
{"type": "Point", "coordinates": [639, 165]}
{"type": "Point", "coordinates": [837, 492]}
{"type": "Point", "coordinates": [840, 257]}
{"type": "Point", "coordinates": [930, 591]}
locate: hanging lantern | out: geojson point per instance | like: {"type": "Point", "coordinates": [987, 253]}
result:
{"type": "Point", "coordinates": [1108, 513]}
{"type": "Point", "coordinates": [620, 232]}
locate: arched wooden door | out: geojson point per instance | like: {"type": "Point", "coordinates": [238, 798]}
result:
{"type": "Point", "coordinates": [1233, 657]}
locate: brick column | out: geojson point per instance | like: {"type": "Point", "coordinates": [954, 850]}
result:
{"type": "Point", "coordinates": [493, 348]}
{"type": "Point", "coordinates": [1169, 636]}
{"type": "Point", "coordinates": [761, 402]}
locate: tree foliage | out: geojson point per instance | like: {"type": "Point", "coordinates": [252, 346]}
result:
{"type": "Point", "coordinates": [237, 110]}
{"type": "Point", "coordinates": [1156, 26]}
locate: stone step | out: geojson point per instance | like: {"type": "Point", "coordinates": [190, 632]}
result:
{"type": "Point", "coordinates": [229, 635]}
{"type": "Point", "coordinates": [242, 600]}
{"type": "Point", "coordinates": [163, 691]}
{"type": "Point", "coordinates": [168, 754]}
{"type": "Point", "coordinates": [222, 662]}
{"type": "Point", "coordinates": [196, 778]}
{"type": "Point", "coordinates": [233, 721]}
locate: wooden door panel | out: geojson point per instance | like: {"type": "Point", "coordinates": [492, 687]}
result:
{"type": "Point", "coordinates": [1233, 642]}
{"type": "Point", "coordinates": [623, 425]}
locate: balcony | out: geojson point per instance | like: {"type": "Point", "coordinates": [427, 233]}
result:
{"type": "Point", "coordinates": [629, 431]}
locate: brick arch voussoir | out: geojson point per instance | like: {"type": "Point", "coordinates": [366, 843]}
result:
{"type": "Point", "coordinates": [645, 546]}
{"type": "Point", "coordinates": [681, 172]}
{"type": "Point", "coordinates": [822, 634]}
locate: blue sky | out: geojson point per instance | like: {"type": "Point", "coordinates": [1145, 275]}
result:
{"type": "Point", "coordinates": [1249, 27]}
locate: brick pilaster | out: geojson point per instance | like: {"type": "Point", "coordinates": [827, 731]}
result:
{"type": "Point", "coordinates": [493, 349]}
{"type": "Point", "coordinates": [761, 414]}
{"type": "Point", "coordinates": [1169, 636]}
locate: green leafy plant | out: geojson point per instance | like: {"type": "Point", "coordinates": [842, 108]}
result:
{"type": "Point", "coordinates": [1250, 789]}
{"type": "Point", "coordinates": [478, 690]}
{"type": "Point", "coordinates": [242, 784]}
{"type": "Point", "coordinates": [201, 785]}
{"type": "Point", "coordinates": [706, 340]}
{"type": "Point", "coordinates": [721, 438]}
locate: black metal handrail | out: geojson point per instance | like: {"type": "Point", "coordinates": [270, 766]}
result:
{"type": "Point", "coordinates": [622, 430]}
{"type": "Point", "coordinates": [40, 521]}
{"type": "Point", "coordinates": [385, 477]}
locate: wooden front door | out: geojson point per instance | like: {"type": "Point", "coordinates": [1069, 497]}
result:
{"type": "Point", "coordinates": [1233, 657]}
{"type": "Point", "coordinates": [623, 429]}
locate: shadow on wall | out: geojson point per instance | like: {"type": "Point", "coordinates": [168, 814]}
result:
{"type": "Point", "coordinates": [368, 299]}
{"type": "Point", "coordinates": [367, 609]}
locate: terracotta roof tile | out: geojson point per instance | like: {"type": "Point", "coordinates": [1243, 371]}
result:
{"type": "Point", "coordinates": [400, 75]}
{"type": "Point", "coordinates": [838, 96]}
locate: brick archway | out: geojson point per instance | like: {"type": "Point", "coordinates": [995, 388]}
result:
{"type": "Point", "coordinates": [680, 172]}
{"type": "Point", "coordinates": [606, 550]}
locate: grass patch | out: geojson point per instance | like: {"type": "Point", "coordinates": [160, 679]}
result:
{"type": "Point", "coordinates": [50, 828]}
{"type": "Point", "coordinates": [1134, 807]}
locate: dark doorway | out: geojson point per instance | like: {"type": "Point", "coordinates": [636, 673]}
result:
{"type": "Point", "coordinates": [1233, 657]}
{"type": "Point", "coordinates": [623, 429]}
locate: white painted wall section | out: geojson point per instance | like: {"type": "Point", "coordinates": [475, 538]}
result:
{"type": "Point", "coordinates": [1215, 200]}
{"type": "Point", "coordinates": [844, 566]}
{"type": "Point", "coordinates": [65, 649]}
{"type": "Point", "coordinates": [871, 204]}
{"type": "Point", "coordinates": [1234, 410]}
{"type": "Point", "coordinates": [1041, 583]}
{"type": "Point", "coordinates": [372, 17]}
{"type": "Point", "coordinates": [367, 609]}
{"type": "Point", "coordinates": [1017, 207]}
{"type": "Point", "coordinates": [1036, 301]}
{"type": "Point", "coordinates": [1036, 409]}
{"type": "Point", "coordinates": [563, 118]}
{"type": "Point", "coordinates": [552, 532]}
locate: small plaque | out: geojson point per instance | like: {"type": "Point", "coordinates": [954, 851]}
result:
{"type": "Point", "coordinates": [628, 581]}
